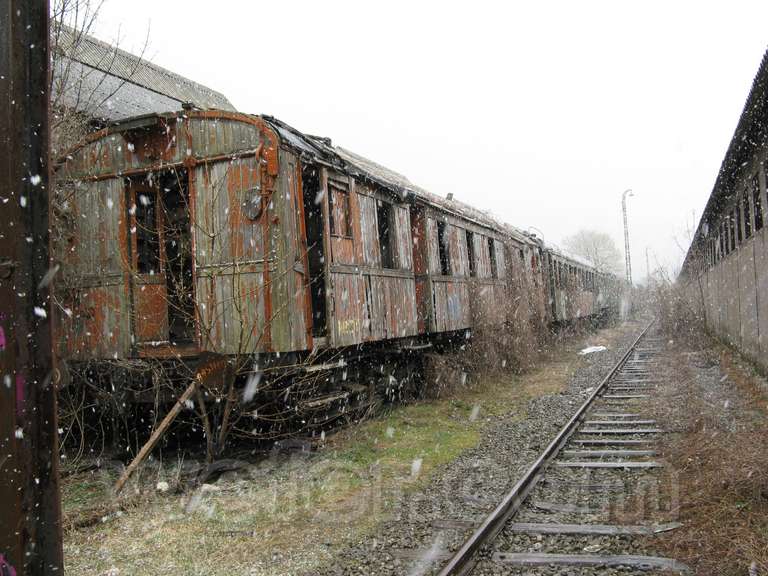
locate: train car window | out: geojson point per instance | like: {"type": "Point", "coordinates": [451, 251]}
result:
{"type": "Point", "coordinates": [737, 223]}
{"type": "Point", "coordinates": [747, 216]}
{"type": "Point", "coordinates": [758, 204]}
{"type": "Point", "coordinates": [340, 213]}
{"type": "Point", "coordinates": [732, 226]}
{"type": "Point", "coordinates": [147, 238]}
{"type": "Point", "coordinates": [471, 253]}
{"type": "Point", "coordinates": [442, 245]}
{"type": "Point", "coordinates": [492, 258]}
{"type": "Point", "coordinates": [384, 224]}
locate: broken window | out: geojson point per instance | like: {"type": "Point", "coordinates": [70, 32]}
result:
{"type": "Point", "coordinates": [442, 246]}
{"type": "Point", "coordinates": [384, 223]}
{"type": "Point", "coordinates": [757, 203]}
{"type": "Point", "coordinates": [492, 258]}
{"type": "Point", "coordinates": [147, 238]}
{"type": "Point", "coordinates": [341, 220]}
{"type": "Point", "coordinates": [471, 253]}
{"type": "Point", "coordinates": [747, 216]}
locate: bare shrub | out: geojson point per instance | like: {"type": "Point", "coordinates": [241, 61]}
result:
{"type": "Point", "coordinates": [677, 315]}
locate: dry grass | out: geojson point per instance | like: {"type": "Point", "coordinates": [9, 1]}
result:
{"type": "Point", "coordinates": [290, 516]}
{"type": "Point", "coordinates": [723, 481]}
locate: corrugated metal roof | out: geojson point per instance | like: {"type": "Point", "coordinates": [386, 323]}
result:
{"type": "Point", "coordinates": [751, 132]}
{"type": "Point", "coordinates": [111, 84]}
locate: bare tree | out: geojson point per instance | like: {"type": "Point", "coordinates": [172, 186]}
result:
{"type": "Point", "coordinates": [79, 91]}
{"type": "Point", "coordinates": [598, 248]}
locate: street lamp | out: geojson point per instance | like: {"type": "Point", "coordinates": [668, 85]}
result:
{"type": "Point", "coordinates": [626, 234]}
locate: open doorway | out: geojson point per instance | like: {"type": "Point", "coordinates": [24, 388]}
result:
{"type": "Point", "coordinates": [315, 227]}
{"type": "Point", "coordinates": [177, 240]}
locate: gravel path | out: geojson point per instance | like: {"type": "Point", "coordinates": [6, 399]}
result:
{"type": "Point", "coordinates": [429, 524]}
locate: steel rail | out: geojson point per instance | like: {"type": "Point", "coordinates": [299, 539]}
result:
{"type": "Point", "coordinates": [463, 562]}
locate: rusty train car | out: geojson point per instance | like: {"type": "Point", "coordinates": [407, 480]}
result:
{"type": "Point", "coordinates": [202, 232]}
{"type": "Point", "coordinates": [725, 272]}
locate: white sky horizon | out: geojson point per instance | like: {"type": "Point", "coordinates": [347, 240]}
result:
{"type": "Point", "coordinates": [542, 113]}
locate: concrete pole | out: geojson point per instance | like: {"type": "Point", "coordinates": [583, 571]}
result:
{"type": "Point", "coordinates": [627, 257]}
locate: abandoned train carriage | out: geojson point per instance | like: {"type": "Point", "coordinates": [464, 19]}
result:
{"type": "Point", "coordinates": [577, 290]}
{"type": "Point", "coordinates": [212, 231]}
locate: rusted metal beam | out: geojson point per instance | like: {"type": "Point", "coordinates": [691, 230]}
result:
{"type": "Point", "coordinates": [30, 516]}
{"type": "Point", "coordinates": [157, 434]}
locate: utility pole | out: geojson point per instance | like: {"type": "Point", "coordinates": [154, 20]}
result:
{"type": "Point", "coordinates": [647, 266]}
{"type": "Point", "coordinates": [627, 258]}
{"type": "Point", "coordinates": [30, 516]}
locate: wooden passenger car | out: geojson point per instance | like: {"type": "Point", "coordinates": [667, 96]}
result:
{"type": "Point", "coordinates": [198, 232]}
{"type": "Point", "coordinates": [222, 232]}
{"type": "Point", "coordinates": [577, 290]}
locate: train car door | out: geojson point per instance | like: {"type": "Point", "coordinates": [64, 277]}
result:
{"type": "Point", "coordinates": [315, 226]}
{"type": "Point", "coordinates": [148, 282]}
{"type": "Point", "coordinates": [160, 264]}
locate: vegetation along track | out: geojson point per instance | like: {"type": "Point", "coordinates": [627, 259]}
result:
{"type": "Point", "coordinates": [601, 465]}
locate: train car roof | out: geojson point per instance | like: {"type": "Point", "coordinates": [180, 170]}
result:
{"type": "Point", "coordinates": [573, 258]}
{"type": "Point", "coordinates": [322, 149]}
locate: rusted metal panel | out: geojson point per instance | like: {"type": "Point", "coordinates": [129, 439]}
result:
{"type": "Point", "coordinates": [402, 219]}
{"type": "Point", "coordinates": [432, 247]}
{"type": "Point", "coordinates": [93, 290]}
{"type": "Point", "coordinates": [368, 307]}
{"type": "Point", "coordinates": [230, 254]}
{"type": "Point", "coordinates": [150, 311]}
{"type": "Point", "coordinates": [451, 305]}
{"type": "Point", "coordinates": [293, 261]}
{"type": "Point", "coordinates": [397, 309]}
{"type": "Point", "coordinates": [161, 141]}
{"type": "Point", "coordinates": [501, 263]}
{"type": "Point", "coordinates": [369, 239]}
{"type": "Point", "coordinates": [457, 243]}
{"type": "Point", "coordinates": [490, 303]}
{"type": "Point", "coordinates": [212, 137]}
{"type": "Point", "coordinates": [349, 318]}
{"type": "Point", "coordinates": [482, 254]}
{"type": "Point", "coordinates": [224, 234]}
{"type": "Point", "coordinates": [232, 318]}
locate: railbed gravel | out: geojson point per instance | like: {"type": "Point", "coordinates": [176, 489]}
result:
{"type": "Point", "coordinates": [419, 537]}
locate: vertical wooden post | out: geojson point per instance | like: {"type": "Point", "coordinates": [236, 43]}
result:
{"type": "Point", "coordinates": [30, 516]}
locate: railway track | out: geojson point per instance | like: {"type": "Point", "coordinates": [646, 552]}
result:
{"type": "Point", "coordinates": [604, 456]}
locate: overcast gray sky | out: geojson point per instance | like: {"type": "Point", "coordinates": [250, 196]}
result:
{"type": "Point", "coordinates": [542, 112]}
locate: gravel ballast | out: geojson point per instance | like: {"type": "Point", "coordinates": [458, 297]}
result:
{"type": "Point", "coordinates": [429, 524]}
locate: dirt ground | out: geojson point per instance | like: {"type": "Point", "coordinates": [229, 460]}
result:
{"type": "Point", "coordinates": [717, 416]}
{"type": "Point", "coordinates": [291, 512]}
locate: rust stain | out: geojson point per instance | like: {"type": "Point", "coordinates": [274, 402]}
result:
{"type": "Point", "coordinates": [151, 312]}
